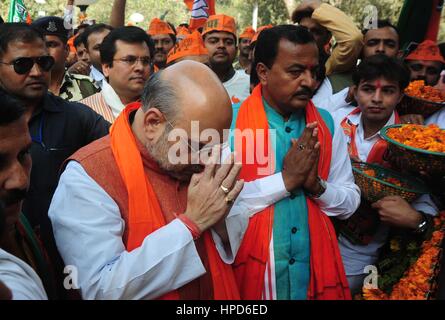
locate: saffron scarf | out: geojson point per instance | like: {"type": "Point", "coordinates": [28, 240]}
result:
{"type": "Point", "coordinates": [327, 275]}
{"type": "Point", "coordinates": [378, 150]}
{"type": "Point", "coordinates": [145, 215]}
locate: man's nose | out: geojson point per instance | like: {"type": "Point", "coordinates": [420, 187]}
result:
{"type": "Point", "coordinates": [18, 178]}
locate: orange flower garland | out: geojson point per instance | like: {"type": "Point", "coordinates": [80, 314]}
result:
{"type": "Point", "coordinates": [418, 89]}
{"type": "Point", "coordinates": [430, 138]}
{"type": "Point", "coordinates": [415, 284]}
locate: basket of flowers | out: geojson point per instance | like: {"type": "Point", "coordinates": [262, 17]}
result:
{"type": "Point", "coordinates": [376, 182]}
{"type": "Point", "coordinates": [417, 148]}
{"type": "Point", "coordinates": [421, 99]}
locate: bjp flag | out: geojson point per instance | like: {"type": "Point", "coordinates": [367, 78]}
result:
{"type": "Point", "coordinates": [201, 10]}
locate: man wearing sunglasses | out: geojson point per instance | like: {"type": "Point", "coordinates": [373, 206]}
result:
{"type": "Point", "coordinates": [126, 55]}
{"type": "Point", "coordinates": [58, 128]}
{"type": "Point", "coordinates": [68, 86]}
{"type": "Point", "coordinates": [426, 63]}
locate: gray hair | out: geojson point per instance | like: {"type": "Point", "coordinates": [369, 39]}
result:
{"type": "Point", "coordinates": [160, 94]}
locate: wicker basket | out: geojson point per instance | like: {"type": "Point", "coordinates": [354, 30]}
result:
{"type": "Point", "coordinates": [413, 105]}
{"type": "Point", "coordinates": [376, 188]}
{"type": "Point", "coordinates": [413, 159]}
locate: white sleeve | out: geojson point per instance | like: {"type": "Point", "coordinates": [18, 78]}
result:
{"type": "Point", "coordinates": [88, 229]}
{"type": "Point", "coordinates": [20, 278]}
{"type": "Point", "coordinates": [334, 102]}
{"type": "Point", "coordinates": [255, 197]}
{"type": "Point", "coordinates": [426, 205]}
{"type": "Point", "coordinates": [437, 118]}
{"type": "Point", "coordinates": [342, 196]}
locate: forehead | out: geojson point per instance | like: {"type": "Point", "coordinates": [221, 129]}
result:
{"type": "Point", "coordinates": [52, 38]}
{"type": "Point", "coordinates": [425, 63]}
{"type": "Point", "coordinates": [125, 48]}
{"type": "Point", "coordinates": [220, 35]}
{"type": "Point", "coordinates": [25, 49]}
{"type": "Point", "coordinates": [383, 82]}
{"type": "Point", "coordinates": [290, 53]}
{"type": "Point", "coordinates": [14, 136]}
{"type": "Point", "coordinates": [161, 37]}
{"type": "Point", "coordinates": [382, 33]}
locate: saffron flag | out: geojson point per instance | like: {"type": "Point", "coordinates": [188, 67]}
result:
{"type": "Point", "coordinates": [18, 12]}
{"type": "Point", "coordinates": [201, 11]}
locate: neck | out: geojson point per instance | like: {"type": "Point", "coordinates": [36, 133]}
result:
{"type": "Point", "coordinates": [32, 105]}
{"type": "Point", "coordinates": [127, 98]}
{"type": "Point", "coordinates": [224, 72]}
{"type": "Point", "coordinates": [56, 81]}
{"type": "Point", "coordinates": [370, 128]}
{"type": "Point", "coordinates": [244, 61]}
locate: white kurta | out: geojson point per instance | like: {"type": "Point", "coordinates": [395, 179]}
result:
{"type": "Point", "coordinates": [20, 278]}
{"type": "Point", "coordinates": [357, 257]}
{"type": "Point", "coordinates": [238, 87]}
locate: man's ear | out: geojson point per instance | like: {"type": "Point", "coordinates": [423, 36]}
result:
{"type": "Point", "coordinates": [262, 70]}
{"type": "Point", "coordinates": [154, 123]}
{"type": "Point", "coordinates": [106, 69]}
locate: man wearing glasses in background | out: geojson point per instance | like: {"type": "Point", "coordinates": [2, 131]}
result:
{"type": "Point", "coordinates": [126, 63]}
{"type": "Point", "coordinates": [58, 128]}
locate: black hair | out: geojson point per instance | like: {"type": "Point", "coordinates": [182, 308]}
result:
{"type": "Point", "coordinates": [11, 109]}
{"type": "Point", "coordinates": [383, 23]}
{"type": "Point", "coordinates": [125, 34]}
{"type": "Point", "coordinates": [95, 28]}
{"type": "Point", "coordinates": [184, 25]}
{"type": "Point", "coordinates": [10, 32]}
{"type": "Point", "coordinates": [382, 66]}
{"type": "Point", "coordinates": [80, 27]}
{"type": "Point", "coordinates": [297, 16]}
{"type": "Point", "coordinates": [266, 48]}
{"type": "Point", "coordinates": [172, 36]}
{"type": "Point", "coordinates": [79, 40]}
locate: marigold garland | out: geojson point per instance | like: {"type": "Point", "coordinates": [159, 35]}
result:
{"type": "Point", "coordinates": [416, 283]}
{"type": "Point", "coordinates": [418, 89]}
{"type": "Point", "coordinates": [430, 138]}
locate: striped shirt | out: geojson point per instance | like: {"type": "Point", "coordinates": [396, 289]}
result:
{"type": "Point", "coordinates": [98, 104]}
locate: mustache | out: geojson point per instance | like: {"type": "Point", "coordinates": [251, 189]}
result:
{"type": "Point", "coordinates": [304, 91]}
{"type": "Point", "coordinates": [14, 196]}
{"type": "Point", "coordinates": [160, 50]}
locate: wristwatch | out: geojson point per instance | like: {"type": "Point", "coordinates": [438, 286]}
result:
{"type": "Point", "coordinates": [423, 225]}
{"type": "Point", "coordinates": [323, 186]}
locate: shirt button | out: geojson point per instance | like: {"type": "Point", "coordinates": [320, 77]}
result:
{"type": "Point", "coordinates": [288, 129]}
{"type": "Point", "coordinates": [294, 230]}
{"type": "Point", "coordinates": [292, 261]}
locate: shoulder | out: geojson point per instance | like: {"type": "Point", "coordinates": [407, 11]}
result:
{"type": "Point", "coordinates": [328, 119]}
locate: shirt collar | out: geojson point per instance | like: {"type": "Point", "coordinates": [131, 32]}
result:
{"type": "Point", "coordinates": [356, 119]}
{"type": "Point", "coordinates": [96, 74]}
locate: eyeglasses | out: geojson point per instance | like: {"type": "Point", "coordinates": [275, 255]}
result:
{"type": "Point", "coordinates": [25, 64]}
{"type": "Point", "coordinates": [205, 150]}
{"type": "Point", "coordinates": [131, 60]}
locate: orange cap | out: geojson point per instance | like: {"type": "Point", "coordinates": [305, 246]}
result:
{"type": "Point", "coordinates": [157, 27]}
{"type": "Point", "coordinates": [192, 45]}
{"type": "Point", "coordinates": [220, 22]}
{"type": "Point", "coordinates": [248, 33]}
{"type": "Point", "coordinates": [426, 51]}
{"type": "Point", "coordinates": [182, 31]}
{"type": "Point", "coordinates": [257, 34]}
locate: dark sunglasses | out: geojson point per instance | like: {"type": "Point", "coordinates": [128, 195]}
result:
{"type": "Point", "coordinates": [25, 64]}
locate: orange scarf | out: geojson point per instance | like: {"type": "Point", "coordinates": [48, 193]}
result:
{"type": "Point", "coordinates": [145, 215]}
{"type": "Point", "coordinates": [327, 276]}
{"type": "Point", "coordinates": [378, 150]}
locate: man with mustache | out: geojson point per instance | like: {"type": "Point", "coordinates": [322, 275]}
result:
{"type": "Point", "coordinates": [426, 63]}
{"type": "Point", "coordinates": [58, 128]}
{"type": "Point", "coordinates": [68, 86]}
{"type": "Point", "coordinates": [145, 218]}
{"type": "Point", "coordinates": [126, 55]}
{"type": "Point", "coordinates": [219, 36]}
{"type": "Point", "coordinates": [164, 37]}
{"type": "Point", "coordinates": [21, 258]}
{"type": "Point", "coordinates": [290, 249]}
{"type": "Point", "coordinates": [244, 62]}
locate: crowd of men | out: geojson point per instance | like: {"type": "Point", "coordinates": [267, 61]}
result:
{"type": "Point", "coordinates": [87, 179]}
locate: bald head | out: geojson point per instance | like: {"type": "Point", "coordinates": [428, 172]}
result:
{"type": "Point", "coordinates": [200, 95]}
